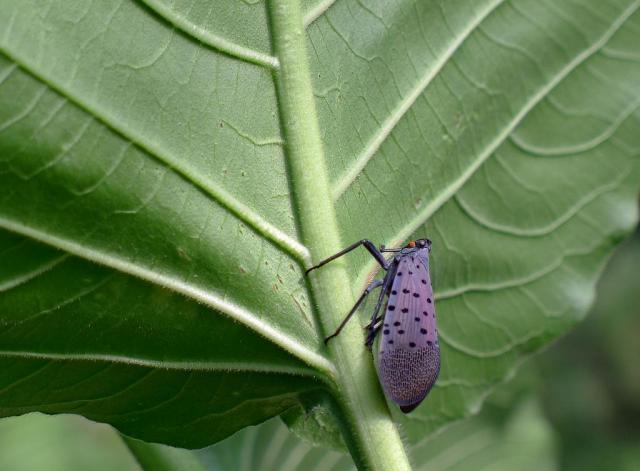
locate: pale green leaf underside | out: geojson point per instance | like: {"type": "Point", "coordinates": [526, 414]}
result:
{"type": "Point", "coordinates": [146, 195]}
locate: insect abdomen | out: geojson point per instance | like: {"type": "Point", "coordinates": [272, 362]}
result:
{"type": "Point", "coordinates": [407, 376]}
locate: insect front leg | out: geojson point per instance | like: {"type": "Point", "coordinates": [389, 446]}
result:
{"type": "Point", "coordinates": [373, 250]}
{"type": "Point", "coordinates": [373, 285]}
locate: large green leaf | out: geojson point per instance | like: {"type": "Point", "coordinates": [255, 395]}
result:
{"type": "Point", "coordinates": [166, 176]}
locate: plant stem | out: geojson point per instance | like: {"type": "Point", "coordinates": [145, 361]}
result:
{"type": "Point", "coordinates": [373, 439]}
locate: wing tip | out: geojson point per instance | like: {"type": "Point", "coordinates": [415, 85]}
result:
{"type": "Point", "coordinates": [410, 407]}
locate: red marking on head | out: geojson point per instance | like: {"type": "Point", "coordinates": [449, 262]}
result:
{"type": "Point", "coordinates": [411, 244]}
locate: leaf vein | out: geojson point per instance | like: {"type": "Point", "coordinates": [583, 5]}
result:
{"type": "Point", "coordinates": [551, 226]}
{"type": "Point", "coordinates": [7, 285]}
{"type": "Point", "coordinates": [207, 297]}
{"type": "Point", "coordinates": [436, 203]}
{"type": "Point", "coordinates": [405, 104]}
{"type": "Point", "coordinates": [281, 240]}
{"type": "Point", "coordinates": [209, 39]}
{"type": "Point", "coordinates": [207, 366]}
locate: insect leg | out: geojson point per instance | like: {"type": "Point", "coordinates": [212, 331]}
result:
{"type": "Point", "coordinates": [372, 331]}
{"type": "Point", "coordinates": [373, 250]}
{"type": "Point", "coordinates": [371, 328]}
{"type": "Point", "coordinates": [368, 290]}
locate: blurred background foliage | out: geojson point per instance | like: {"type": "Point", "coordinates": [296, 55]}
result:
{"type": "Point", "coordinates": [575, 406]}
{"type": "Point", "coordinates": [589, 381]}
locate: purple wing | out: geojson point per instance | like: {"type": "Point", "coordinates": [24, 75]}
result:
{"type": "Point", "coordinates": [409, 354]}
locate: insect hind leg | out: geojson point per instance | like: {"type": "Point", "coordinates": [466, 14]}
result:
{"type": "Point", "coordinates": [373, 285]}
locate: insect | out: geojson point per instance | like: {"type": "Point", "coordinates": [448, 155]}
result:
{"type": "Point", "coordinates": [408, 352]}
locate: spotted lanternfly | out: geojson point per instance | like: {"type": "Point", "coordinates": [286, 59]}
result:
{"type": "Point", "coordinates": [408, 352]}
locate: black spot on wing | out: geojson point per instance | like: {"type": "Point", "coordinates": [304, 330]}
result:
{"type": "Point", "coordinates": [423, 328]}
{"type": "Point", "coordinates": [405, 318]}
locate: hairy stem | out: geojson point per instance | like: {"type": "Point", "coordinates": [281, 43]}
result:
{"type": "Point", "coordinates": [373, 439]}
